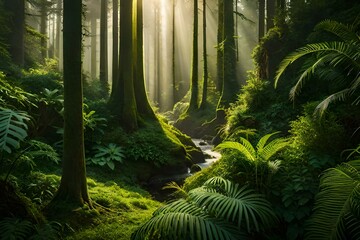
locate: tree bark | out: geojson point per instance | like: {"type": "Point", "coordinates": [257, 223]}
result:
{"type": "Point", "coordinates": [115, 52]}
{"type": "Point", "coordinates": [261, 18]}
{"type": "Point", "coordinates": [16, 8]}
{"type": "Point", "coordinates": [270, 14]}
{"type": "Point", "coordinates": [230, 85]}
{"type": "Point", "coordinates": [73, 187]}
{"type": "Point", "coordinates": [220, 50]}
{"type": "Point", "coordinates": [142, 102]}
{"type": "Point", "coordinates": [174, 53]}
{"type": "Point", "coordinates": [104, 47]}
{"type": "Point", "coordinates": [194, 85]}
{"type": "Point", "coordinates": [206, 74]}
{"type": "Point", "coordinates": [43, 29]}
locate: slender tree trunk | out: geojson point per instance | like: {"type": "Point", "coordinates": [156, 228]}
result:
{"type": "Point", "coordinates": [270, 14]}
{"type": "Point", "coordinates": [142, 102]}
{"type": "Point", "coordinates": [173, 53]}
{"type": "Point", "coordinates": [261, 18]}
{"type": "Point", "coordinates": [115, 53]}
{"type": "Point", "coordinates": [206, 74]}
{"type": "Point", "coordinates": [93, 45]}
{"type": "Point", "coordinates": [43, 28]}
{"type": "Point", "coordinates": [220, 50]}
{"type": "Point", "coordinates": [230, 85]}
{"type": "Point", "coordinates": [104, 47]}
{"type": "Point", "coordinates": [58, 28]}
{"type": "Point", "coordinates": [17, 28]}
{"type": "Point", "coordinates": [73, 187]}
{"type": "Point", "coordinates": [194, 86]}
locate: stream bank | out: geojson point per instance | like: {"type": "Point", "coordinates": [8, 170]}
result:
{"type": "Point", "coordinates": [156, 183]}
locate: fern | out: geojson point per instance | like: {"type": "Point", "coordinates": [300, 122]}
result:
{"type": "Point", "coordinates": [39, 149]}
{"type": "Point", "coordinates": [12, 129]}
{"type": "Point", "coordinates": [14, 228]}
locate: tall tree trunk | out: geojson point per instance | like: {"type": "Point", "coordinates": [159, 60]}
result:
{"type": "Point", "coordinates": [122, 100]}
{"type": "Point", "coordinates": [206, 74]}
{"type": "Point", "coordinates": [174, 53]}
{"type": "Point", "coordinates": [58, 28]}
{"type": "Point", "coordinates": [142, 102]}
{"type": "Point", "coordinates": [104, 48]}
{"type": "Point", "coordinates": [261, 18]}
{"type": "Point", "coordinates": [43, 28]}
{"type": "Point", "coordinates": [194, 85]}
{"type": "Point", "coordinates": [220, 50]}
{"type": "Point", "coordinates": [73, 187]}
{"type": "Point", "coordinates": [230, 85]}
{"type": "Point", "coordinates": [17, 28]}
{"type": "Point", "coordinates": [115, 28]}
{"type": "Point", "coordinates": [270, 14]}
{"type": "Point", "coordinates": [93, 45]}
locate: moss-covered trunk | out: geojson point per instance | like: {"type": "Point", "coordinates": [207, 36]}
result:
{"type": "Point", "coordinates": [104, 47]}
{"type": "Point", "coordinates": [220, 50]}
{"type": "Point", "coordinates": [73, 187]}
{"type": "Point", "coordinates": [205, 71]}
{"type": "Point", "coordinates": [230, 86]}
{"type": "Point", "coordinates": [142, 102]}
{"type": "Point", "coordinates": [261, 25]}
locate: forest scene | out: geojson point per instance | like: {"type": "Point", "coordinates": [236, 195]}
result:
{"type": "Point", "coordinates": [179, 119]}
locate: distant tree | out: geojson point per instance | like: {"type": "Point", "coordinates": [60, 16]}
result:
{"type": "Point", "coordinates": [270, 13]}
{"type": "Point", "coordinates": [205, 70]}
{"type": "Point", "coordinates": [73, 187]}
{"type": "Point", "coordinates": [16, 26]}
{"type": "Point", "coordinates": [194, 85]}
{"type": "Point", "coordinates": [220, 49]}
{"type": "Point", "coordinates": [115, 32]}
{"type": "Point", "coordinates": [104, 47]}
{"type": "Point", "coordinates": [261, 24]}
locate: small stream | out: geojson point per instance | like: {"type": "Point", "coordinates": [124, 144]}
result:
{"type": "Point", "coordinates": [160, 181]}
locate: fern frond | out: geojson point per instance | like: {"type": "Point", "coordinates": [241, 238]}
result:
{"type": "Point", "coordinates": [239, 204]}
{"type": "Point", "coordinates": [12, 128]}
{"type": "Point", "coordinates": [248, 153]}
{"type": "Point", "coordinates": [15, 228]}
{"type": "Point", "coordinates": [343, 31]}
{"type": "Point", "coordinates": [338, 187]}
{"type": "Point", "coordinates": [260, 145]}
{"type": "Point", "coordinates": [272, 148]}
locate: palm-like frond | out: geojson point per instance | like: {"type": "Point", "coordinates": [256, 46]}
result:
{"type": "Point", "coordinates": [340, 187]}
{"type": "Point", "coordinates": [14, 228]}
{"type": "Point", "coordinates": [261, 144]}
{"type": "Point", "coordinates": [239, 205]}
{"type": "Point", "coordinates": [247, 150]}
{"type": "Point", "coordinates": [343, 31]}
{"type": "Point", "coordinates": [183, 220]}
{"type": "Point", "coordinates": [272, 148]}
{"type": "Point", "coordinates": [12, 129]}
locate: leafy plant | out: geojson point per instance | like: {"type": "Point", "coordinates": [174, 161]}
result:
{"type": "Point", "coordinates": [336, 213]}
{"type": "Point", "coordinates": [14, 228]}
{"type": "Point", "coordinates": [12, 129]}
{"type": "Point", "coordinates": [108, 155]}
{"type": "Point", "coordinates": [260, 155]}
{"type": "Point", "coordinates": [217, 210]}
{"type": "Point", "coordinates": [342, 54]}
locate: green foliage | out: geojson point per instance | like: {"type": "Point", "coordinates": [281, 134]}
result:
{"type": "Point", "coordinates": [217, 210]}
{"type": "Point", "coordinates": [12, 96]}
{"type": "Point", "coordinates": [108, 155]}
{"type": "Point", "coordinates": [36, 79]}
{"type": "Point", "coordinates": [14, 228]}
{"type": "Point", "coordinates": [337, 204]}
{"type": "Point", "coordinates": [38, 150]}
{"type": "Point", "coordinates": [324, 135]}
{"type": "Point", "coordinates": [260, 155]}
{"type": "Point", "coordinates": [343, 54]}
{"type": "Point", "coordinates": [94, 124]}
{"type": "Point", "coordinates": [12, 129]}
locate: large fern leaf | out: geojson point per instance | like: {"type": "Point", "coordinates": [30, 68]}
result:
{"type": "Point", "coordinates": [235, 204]}
{"type": "Point", "coordinates": [14, 228]}
{"type": "Point", "coordinates": [184, 220]}
{"type": "Point", "coordinates": [246, 150]}
{"type": "Point", "coordinates": [339, 193]}
{"type": "Point", "coordinates": [12, 129]}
